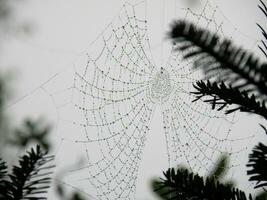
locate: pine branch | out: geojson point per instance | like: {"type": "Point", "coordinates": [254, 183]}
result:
{"type": "Point", "coordinates": [258, 163]}
{"type": "Point", "coordinates": [263, 48]}
{"type": "Point", "coordinates": [30, 177]}
{"type": "Point", "coordinates": [181, 184]}
{"type": "Point", "coordinates": [222, 95]}
{"type": "Point", "coordinates": [3, 172]}
{"type": "Point", "coordinates": [3, 169]}
{"type": "Point", "coordinates": [239, 68]}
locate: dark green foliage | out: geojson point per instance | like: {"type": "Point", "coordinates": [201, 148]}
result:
{"type": "Point", "coordinates": [31, 132]}
{"type": "Point", "coordinates": [263, 48]}
{"type": "Point", "coordinates": [158, 189]}
{"type": "Point", "coordinates": [238, 68]}
{"type": "Point", "coordinates": [222, 95]}
{"type": "Point", "coordinates": [262, 196]}
{"type": "Point", "coordinates": [220, 169]}
{"type": "Point", "coordinates": [244, 75]}
{"type": "Point", "coordinates": [258, 163]}
{"type": "Point", "coordinates": [3, 172]}
{"type": "Point", "coordinates": [3, 169]}
{"type": "Point", "coordinates": [217, 174]}
{"type": "Point", "coordinates": [181, 184]}
{"type": "Point", "coordinates": [64, 196]}
{"type": "Point", "coordinates": [30, 179]}
{"type": "Point", "coordinates": [77, 196]}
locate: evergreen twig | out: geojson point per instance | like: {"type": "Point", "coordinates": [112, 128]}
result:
{"type": "Point", "coordinates": [3, 172]}
{"type": "Point", "coordinates": [239, 68]}
{"type": "Point", "coordinates": [258, 163]}
{"type": "Point", "coordinates": [263, 48]}
{"type": "Point", "coordinates": [30, 178]}
{"type": "Point", "coordinates": [3, 169]}
{"type": "Point", "coordinates": [181, 184]}
{"type": "Point", "coordinates": [222, 95]}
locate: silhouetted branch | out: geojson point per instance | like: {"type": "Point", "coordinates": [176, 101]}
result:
{"type": "Point", "coordinates": [239, 68]}
{"type": "Point", "coordinates": [30, 178]}
{"type": "Point", "coordinates": [181, 184]}
{"type": "Point", "coordinates": [258, 163]}
{"type": "Point", "coordinates": [3, 169]}
{"type": "Point", "coordinates": [222, 95]}
{"type": "Point", "coordinates": [263, 48]}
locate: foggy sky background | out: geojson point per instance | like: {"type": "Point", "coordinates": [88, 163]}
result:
{"type": "Point", "coordinates": [63, 29]}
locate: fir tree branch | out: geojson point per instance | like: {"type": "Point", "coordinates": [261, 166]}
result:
{"type": "Point", "coordinates": [3, 172]}
{"type": "Point", "coordinates": [239, 68]}
{"type": "Point", "coordinates": [222, 95]}
{"type": "Point", "coordinates": [263, 48]}
{"type": "Point", "coordinates": [181, 184]}
{"type": "Point", "coordinates": [258, 163]}
{"type": "Point", "coordinates": [3, 169]}
{"type": "Point", "coordinates": [29, 179]}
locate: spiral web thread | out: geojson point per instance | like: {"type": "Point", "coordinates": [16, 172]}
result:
{"type": "Point", "coordinates": [110, 103]}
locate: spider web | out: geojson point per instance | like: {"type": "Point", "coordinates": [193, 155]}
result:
{"type": "Point", "coordinates": [109, 105]}
{"type": "Point", "coordinates": [195, 134]}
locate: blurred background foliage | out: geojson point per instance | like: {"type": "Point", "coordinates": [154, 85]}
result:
{"type": "Point", "coordinates": [31, 132]}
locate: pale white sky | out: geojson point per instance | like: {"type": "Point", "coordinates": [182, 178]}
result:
{"type": "Point", "coordinates": [64, 29]}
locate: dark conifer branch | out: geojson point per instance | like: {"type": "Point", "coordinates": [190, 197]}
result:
{"type": "Point", "coordinates": [181, 184]}
{"type": "Point", "coordinates": [3, 169]}
{"type": "Point", "coordinates": [3, 172]}
{"type": "Point", "coordinates": [222, 95]}
{"type": "Point", "coordinates": [30, 177]}
{"type": "Point", "coordinates": [239, 68]}
{"type": "Point", "coordinates": [263, 48]}
{"type": "Point", "coordinates": [258, 163]}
